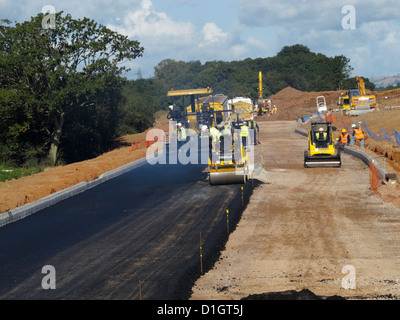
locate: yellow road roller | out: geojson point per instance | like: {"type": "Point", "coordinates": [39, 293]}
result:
{"type": "Point", "coordinates": [230, 163]}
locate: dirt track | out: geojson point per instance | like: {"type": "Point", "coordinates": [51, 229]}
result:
{"type": "Point", "coordinates": [303, 226]}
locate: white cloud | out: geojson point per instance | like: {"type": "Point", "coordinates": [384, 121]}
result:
{"type": "Point", "coordinates": [317, 14]}
{"type": "Point", "coordinates": [257, 28]}
{"type": "Point", "coordinates": [163, 38]}
{"type": "Point", "coordinates": [154, 27]}
{"type": "Point", "coordinates": [212, 35]}
{"type": "Point", "coordinates": [372, 46]}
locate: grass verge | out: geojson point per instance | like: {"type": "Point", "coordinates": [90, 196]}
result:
{"type": "Point", "coordinates": [9, 173]}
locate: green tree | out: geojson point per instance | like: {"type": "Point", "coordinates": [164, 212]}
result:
{"type": "Point", "coordinates": [51, 75]}
{"type": "Point", "coordinates": [138, 106]}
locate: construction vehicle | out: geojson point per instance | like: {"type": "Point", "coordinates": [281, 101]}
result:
{"type": "Point", "coordinates": [243, 106]}
{"type": "Point", "coordinates": [200, 109]}
{"type": "Point", "coordinates": [230, 163]}
{"type": "Point", "coordinates": [321, 147]}
{"type": "Point", "coordinates": [321, 104]}
{"type": "Point", "coordinates": [357, 101]}
{"type": "Point", "coordinates": [263, 105]}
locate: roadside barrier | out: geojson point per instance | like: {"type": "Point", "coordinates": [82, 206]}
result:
{"type": "Point", "coordinates": [387, 135]}
{"type": "Point", "coordinates": [397, 137]}
{"type": "Point", "coordinates": [371, 134]}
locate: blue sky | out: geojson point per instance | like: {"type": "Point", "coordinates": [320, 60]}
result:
{"type": "Point", "coordinates": [238, 29]}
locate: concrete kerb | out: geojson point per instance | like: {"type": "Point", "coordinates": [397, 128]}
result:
{"type": "Point", "coordinates": [31, 208]}
{"type": "Point", "coordinates": [367, 159]}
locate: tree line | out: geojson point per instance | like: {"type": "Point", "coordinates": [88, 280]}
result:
{"type": "Point", "coordinates": [295, 66]}
{"type": "Point", "coordinates": [63, 96]}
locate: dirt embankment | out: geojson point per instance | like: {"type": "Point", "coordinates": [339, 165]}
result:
{"type": "Point", "coordinates": [17, 192]}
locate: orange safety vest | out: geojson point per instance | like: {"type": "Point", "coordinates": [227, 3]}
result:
{"type": "Point", "coordinates": [359, 134]}
{"type": "Point", "coordinates": [344, 138]}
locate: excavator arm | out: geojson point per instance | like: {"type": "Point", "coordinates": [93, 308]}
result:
{"type": "Point", "coordinates": [361, 86]}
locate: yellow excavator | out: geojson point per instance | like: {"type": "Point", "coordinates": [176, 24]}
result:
{"type": "Point", "coordinates": [321, 147]}
{"type": "Point", "coordinates": [357, 101]}
{"type": "Point", "coordinates": [264, 105]}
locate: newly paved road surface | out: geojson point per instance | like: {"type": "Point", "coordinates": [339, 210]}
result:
{"type": "Point", "coordinates": [142, 226]}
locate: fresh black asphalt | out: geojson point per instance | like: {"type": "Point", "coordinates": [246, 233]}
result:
{"type": "Point", "coordinates": [141, 227]}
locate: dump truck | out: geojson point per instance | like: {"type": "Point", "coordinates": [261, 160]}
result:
{"type": "Point", "coordinates": [321, 150]}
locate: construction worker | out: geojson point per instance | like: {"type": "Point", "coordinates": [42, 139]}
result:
{"type": "Point", "coordinates": [267, 106]}
{"type": "Point", "coordinates": [254, 125]}
{"type": "Point", "coordinates": [321, 135]}
{"type": "Point", "coordinates": [357, 135]}
{"type": "Point", "coordinates": [345, 137]}
{"type": "Point", "coordinates": [343, 140]}
{"type": "Point", "coordinates": [226, 134]}
{"type": "Point", "coordinates": [182, 135]}
{"type": "Point", "coordinates": [227, 130]}
{"type": "Point", "coordinates": [215, 136]}
{"type": "Point", "coordinates": [244, 132]}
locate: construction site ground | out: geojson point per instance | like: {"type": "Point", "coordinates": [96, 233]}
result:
{"type": "Point", "coordinates": [301, 227]}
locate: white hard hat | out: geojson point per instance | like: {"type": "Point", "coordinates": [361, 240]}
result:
{"type": "Point", "coordinates": [204, 128]}
{"type": "Point", "coordinates": [321, 129]}
{"type": "Point", "coordinates": [179, 124]}
{"type": "Point", "coordinates": [354, 126]}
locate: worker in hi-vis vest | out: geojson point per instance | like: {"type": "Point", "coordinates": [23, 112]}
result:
{"type": "Point", "coordinates": [244, 132]}
{"type": "Point", "coordinates": [357, 135]}
{"type": "Point", "coordinates": [215, 136]}
{"type": "Point", "coordinates": [344, 137]}
{"type": "Point", "coordinates": [321, 135]}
